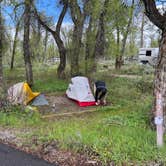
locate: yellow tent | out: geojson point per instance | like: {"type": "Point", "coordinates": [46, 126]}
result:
{"type": "Point", "coordinates": [21, 93]}
{"type": "Point", "coordinates": [28, 93]}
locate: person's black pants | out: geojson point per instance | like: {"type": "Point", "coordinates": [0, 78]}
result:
{"type": "Point", "coordinates": [100, 93]}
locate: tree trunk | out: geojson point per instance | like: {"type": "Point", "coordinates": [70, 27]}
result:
{"type": "Point", "coordinates": [125, 35]}
{"type": "Point", "coordinates": [117, 60]}
{"type": "Point", "coordinates": [100, 37]}
{"type": "Point", "coordinates": [60, 44]}
{"type": "Point", "coordinates": [38, 39]}
{"type": "Point", "coordinates": [58, 40]}
{"type": "Point", "coordinates": [1, 47]}
{"type": "Point", "coordinates": [142, 30]}
{"type": "Point", "coordinates": [26, 45]}
{"type": "Point", "coordinates": [14, 45]}
{"type": "Point", "coordinates": [78, 18]}
{"type": "Point", "coordinates": [1, 72]}
{"type": "Point", "coordinates": [45, 45]}
{"type": "Point", "coordinates": [2, 87]}
{"type": "Point", "coordinates": [62, 54]}
{"type": "Point", "coordinates": [88, 48]}
{"type": "Point", "coordinates": [160, 75]}
{"type": "Point", "coordinates": [77, 36]}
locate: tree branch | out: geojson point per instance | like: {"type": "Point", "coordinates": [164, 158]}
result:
{"type": "Point", "coordinates": [154, 15]}
{"type": "Point", "coordinates": [75, 11]}
{"type": "Point", "coordinates": [44, 24]}
{"type": "Point", "coordinates": [61, 17]}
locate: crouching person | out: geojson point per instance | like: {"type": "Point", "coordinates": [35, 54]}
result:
{"type": "Point", "coordinates": [100, 91]}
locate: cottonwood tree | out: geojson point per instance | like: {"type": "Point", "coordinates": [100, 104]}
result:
{"type": "Point", "coordinates": [92, 16]}
{"type": "Point", "coordinates": [90, 35]}
{"type": "Point", "coordinates": [45, 44]}
{"type": "Point", "coordinates": [26, 44]}
{"type": "Point", "coordinates": [89, 45]}
{"type": "Point", "coordinates": [36, 40]}
{"type": "Point", "coordinates": [78, 15]}
{"type": "Point", "coordinates": [159, 19]}
{"type": "Point", "coordinates": [56, 35]}
{"type": "Point", "coordinates": [123, 29]}
{"type": "Point", "coordinates": [2, 87]}
{"type": "Point", "coordinates": [132, 46]}
{"type": "Point", "coordinates": [120, 19]}
{"type": "Point", "coordinates": [17, 28]}
{"type": "Point", "coordinates": [160, 75]}
{"type": "Point", "coordinates": [1, 67]}
{"type": "Point", "coordinates": [100, 36]}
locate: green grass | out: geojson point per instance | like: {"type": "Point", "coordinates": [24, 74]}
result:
{"type": "Point", "coordinates": [45, 79]}
{"type": "Point", "coordinates": [119, 133]}
{"type": "Point", "coordinates": [129, 69]}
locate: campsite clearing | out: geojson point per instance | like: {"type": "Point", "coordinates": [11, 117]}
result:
{"type": "Point", "coordinates": [61, 105]}
{"type": "Point", "coordinates": [117, 134]}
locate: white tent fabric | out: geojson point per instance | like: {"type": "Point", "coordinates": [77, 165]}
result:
{"type": "Point", "coordinates": [79, 90]}
{"type": "Point", "coordinates": [15, 93]}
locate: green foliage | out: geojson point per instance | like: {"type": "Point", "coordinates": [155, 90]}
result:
{"type": "Point", "coordinates": [145, 85]}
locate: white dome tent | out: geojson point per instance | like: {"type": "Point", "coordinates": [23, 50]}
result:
{"type": "Point", "coordinates": [79, 90]}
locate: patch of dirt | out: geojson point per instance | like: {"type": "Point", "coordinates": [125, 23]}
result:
{"type": "Point", "coordinates": [51, 153]}
{"type": "Point", "coordinates": [61, 104]}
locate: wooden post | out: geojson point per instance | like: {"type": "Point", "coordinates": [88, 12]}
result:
{"type": "Point", "coordinates": [159, 119]}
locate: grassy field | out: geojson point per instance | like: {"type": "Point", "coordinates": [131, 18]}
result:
{"type": "Point", "coordinates": [120, 132]}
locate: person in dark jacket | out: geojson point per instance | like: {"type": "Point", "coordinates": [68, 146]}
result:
{"type": "Point", "coordinates": [100, 92]}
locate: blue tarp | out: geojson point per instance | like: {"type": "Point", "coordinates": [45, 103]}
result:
{"type": "Point", "coordinates": [39, 101]}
